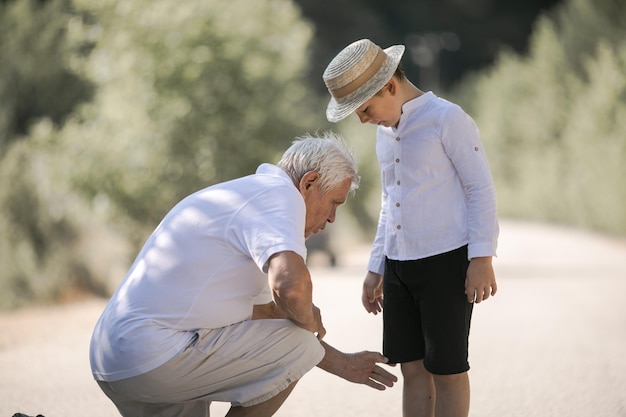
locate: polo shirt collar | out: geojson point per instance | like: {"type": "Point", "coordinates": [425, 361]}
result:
{"type": "Point", "coordinates": [270, 169]}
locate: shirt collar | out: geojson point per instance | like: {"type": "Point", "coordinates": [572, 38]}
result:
{"type": "Point", "coordinates": [270, 169]}
{"type": "Point", "coordinates": [414, 104]}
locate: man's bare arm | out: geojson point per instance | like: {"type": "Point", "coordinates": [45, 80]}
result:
{"type": "Point", "coordinates": [292, 290]}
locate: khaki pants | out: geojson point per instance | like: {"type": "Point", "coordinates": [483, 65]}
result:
{"type": "Point", "coordinates": [245, 364]}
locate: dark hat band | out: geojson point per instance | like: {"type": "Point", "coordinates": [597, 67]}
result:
{"type": "Point", "coordinates": [355, 84]}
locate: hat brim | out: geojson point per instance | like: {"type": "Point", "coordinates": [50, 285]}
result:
{"type": "Point", "coordinates": [337, 111]}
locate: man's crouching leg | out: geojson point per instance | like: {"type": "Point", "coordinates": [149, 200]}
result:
{"type": "Point", "coordinates": [254, 365]}
{"type": "Point", "coordinates": [267, 408]}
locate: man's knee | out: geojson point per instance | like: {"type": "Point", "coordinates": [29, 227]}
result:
{"type": "Point", "coordinates": [302, 338]}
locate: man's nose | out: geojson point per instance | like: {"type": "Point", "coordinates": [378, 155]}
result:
{"type": "Point", "coordinates": [364, 118]}
{"type": "Point", "coordinates": [331, 218]}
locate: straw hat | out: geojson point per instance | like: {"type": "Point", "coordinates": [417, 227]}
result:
{"type": "Point", "coordinates": [358, 72]}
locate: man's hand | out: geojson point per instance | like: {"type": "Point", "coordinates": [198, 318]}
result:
{"type": "Point", "coordinates": [372, 295]}
{"type": "Point", "coordinates": [267, 311]}
{"type": "Point", "coordinates": [320, 330]}
{"type": "Point", "coordinates": [480, 282]}
{"type": "Point", "coordinates": [360, 368]}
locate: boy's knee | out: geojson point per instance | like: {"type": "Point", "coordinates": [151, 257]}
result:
{"type": "Point", "coordinates": [450, 380]}
{"type": "Point", "coordinates": [414, 369]}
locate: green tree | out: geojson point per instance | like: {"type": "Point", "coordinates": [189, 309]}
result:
{"type": "Point", "coordinates": [553, 121]}
{"type": "Point", "coordinates": [37, 86]}
{"type": "Point", "coordinates": [35, 79]}
{"type": "Point", "coordinates": [185, 95]}
{"type": "Point", "coordinates": [483, 27]}
{"type": "Point", "coordinates": [41, 226]}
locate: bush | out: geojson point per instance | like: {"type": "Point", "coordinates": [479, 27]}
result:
{"type": "Point", "coordinates": [184, 96]}
{"type": "Point", "coordinates": [553, 122]}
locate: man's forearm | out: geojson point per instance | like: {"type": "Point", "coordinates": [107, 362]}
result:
{"type": "Point", "coordinates": [333, 361]}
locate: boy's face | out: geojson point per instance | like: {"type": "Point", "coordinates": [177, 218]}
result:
{"type": "Point", "coordinates": [382, 109]}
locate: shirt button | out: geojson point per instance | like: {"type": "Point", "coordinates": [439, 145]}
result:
{"type": "Point", "coordinates": [398, 139]}
{"type": "Point", "coordinates": [398, 182]}
{"type": "Point", "coordinates": [397, 204]}
{"type": "Point", "coordinates": [398, 160]}
{"type": "Point", "coordinates": [398, 227]}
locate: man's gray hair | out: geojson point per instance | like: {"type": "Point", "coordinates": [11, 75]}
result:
{"type": "Point", "coordinates": [327, 154]}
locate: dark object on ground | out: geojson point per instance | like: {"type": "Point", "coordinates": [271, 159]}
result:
{"type": "Point", "coordinates": [24, 415]}
{"type": "Point", "coordinates": [320, 243]}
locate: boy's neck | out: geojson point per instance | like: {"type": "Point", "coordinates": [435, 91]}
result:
{"type": "Point", "coordinates": [410, 91]}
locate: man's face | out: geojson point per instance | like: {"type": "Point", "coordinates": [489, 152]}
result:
{"type": "Point", "coordinates": [321, 208]}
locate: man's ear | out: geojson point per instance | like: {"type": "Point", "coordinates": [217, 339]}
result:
{"type": "Point", "coordinates": [308, 180]}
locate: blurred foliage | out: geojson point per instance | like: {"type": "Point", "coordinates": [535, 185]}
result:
{"type": "Point", "coordinates": [40, 226]}
{"type": "Point", "coordinates": [187, 97]}
{"type": "Point", "coordinates": [36, 86]}
{"type": "Point", "coordinates": [184, 97]}
{"type": "Point", "coordinates": [111, 111]}
{"type": "Point", "coordinates": [554, 122]}
{"type": "Point", "coordinates": [35, 80]}
{"type": "Point", "coordinates": [481, 29]}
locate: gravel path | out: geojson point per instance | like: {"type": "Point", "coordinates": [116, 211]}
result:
{"type": "Point", "coordinates": [551, 343]}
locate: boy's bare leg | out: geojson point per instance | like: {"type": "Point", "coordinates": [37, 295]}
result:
{"type": "Point", "coordinates": [264, 409]}
{"type": "Point", "coordinates": [428, 395]}
{"type": "Point", "coordinates": [418, 395]}
{"type": "Point", "coordinates": [453, 395]}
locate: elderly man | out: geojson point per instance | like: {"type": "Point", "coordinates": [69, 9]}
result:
{"type": "Point", "coordinates": [218, 304]}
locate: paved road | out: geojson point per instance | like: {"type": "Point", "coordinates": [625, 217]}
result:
{"type": "Point", "coordinates": [551, 343]}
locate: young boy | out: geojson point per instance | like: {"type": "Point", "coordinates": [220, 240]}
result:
{"type": "Point", "coordinates": [437, 230]}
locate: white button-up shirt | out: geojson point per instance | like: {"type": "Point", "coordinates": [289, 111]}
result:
{"type": "Point", "coordinates": [437, 190]}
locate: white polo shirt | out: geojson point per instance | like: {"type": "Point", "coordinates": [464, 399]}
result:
{"type": "Point", "coordinates": [203, 267]}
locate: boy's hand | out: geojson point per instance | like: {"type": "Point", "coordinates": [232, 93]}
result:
{"type": "Point", "coordinates": [372, 296]}
{"type": "Point", "coordinates": [480, 282]}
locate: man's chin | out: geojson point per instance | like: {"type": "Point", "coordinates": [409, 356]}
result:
{"type": "Point", "coordinates": [311, 233]}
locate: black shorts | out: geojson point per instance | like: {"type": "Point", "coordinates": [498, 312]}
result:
{"type": "Point", "coordinates": [426, 314]}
